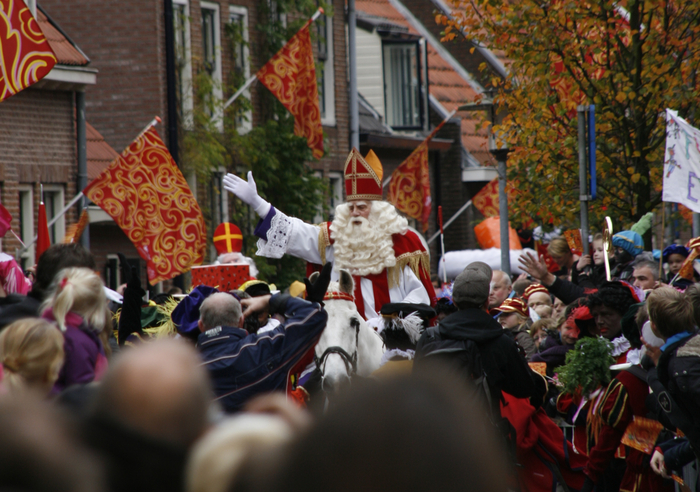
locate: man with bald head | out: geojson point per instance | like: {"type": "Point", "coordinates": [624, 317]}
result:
{"type": "Point", "coordinates": [149, 410]}
{"type": "Point", "coordinates": [499, 289]}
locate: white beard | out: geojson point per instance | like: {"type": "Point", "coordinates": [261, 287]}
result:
{"type": "Point", "coordinates": [366, 248]}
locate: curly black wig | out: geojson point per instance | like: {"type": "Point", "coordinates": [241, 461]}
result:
{"type": "Point", "coordinates": [614, 295]}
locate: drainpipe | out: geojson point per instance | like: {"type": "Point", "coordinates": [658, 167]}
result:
{"type": "Point", "coordinates": [82, 158]}
{"type": "Point", "coordinates": [352, 74]}
{"type": "Point", "coordinates": [170, 80]}
{"type": "Point", "coordinates": [171, 95]}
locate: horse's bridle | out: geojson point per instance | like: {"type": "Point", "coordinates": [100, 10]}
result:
{"type": "Point", "coordinates": [349, 360]}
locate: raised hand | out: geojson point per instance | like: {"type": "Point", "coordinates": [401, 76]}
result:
{"type": "Point", "coordinates": [247, 191]}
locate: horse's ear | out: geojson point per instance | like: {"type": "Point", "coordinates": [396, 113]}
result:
{"type": "Point", "coordinates": [313, 277]}
{"type": "Point", "coordinates": [347, 285]}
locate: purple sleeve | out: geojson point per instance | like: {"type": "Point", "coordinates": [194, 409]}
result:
{"type": "Point", "coordinates": [264, 225]}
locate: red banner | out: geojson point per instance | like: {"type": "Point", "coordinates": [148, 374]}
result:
{"type": "Point", "coordinates": [291, 76]}
{"type": "Point", "coordinates": [25, 55]}
{"type": "Point", "coordinates": [147, 196]}
{"type": "Point", "coordinates": [43, 240]}
{"type": "Point", "coordinates": [486, 201]}
{"type": "Point", "coordinates": [409, 189]}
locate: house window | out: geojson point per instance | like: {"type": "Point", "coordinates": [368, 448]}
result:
{"type": "Point", "coordinates": [238, 18]}
{"type": "Point", "coordinates": [211, 55]}
{"type": "Point", "coordinates": [335, 192]}
{"type": "Point", "coordinates": [54, 203]}
{"type": "Point", "coordinates": [402, 88]}
{"type": "Point", "coordinates": [183, 60]}
{"type": "Point", "coordinates": [26, 224]}
{"type": "Point", "coordinates": [324, 70]}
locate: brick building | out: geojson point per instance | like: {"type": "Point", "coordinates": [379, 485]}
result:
{"type": "Point", "coordinates": [127, 40]}
{"type": "Point", "coordinates": [38, 137]}
{"type": "Point", "coordinates": [400, 53]}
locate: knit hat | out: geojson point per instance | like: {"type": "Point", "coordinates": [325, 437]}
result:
{"type": "Point", "coordinates": [514, 305]}
{"type": "Point", "coordinates": [531, 289]}
{"type": "Point", "coordinates": [675, 249]}
{"type": "Point", "coordinates": [471, 287]}
{"type": "Point", "coordinates": [629, 241]}
{"type": "Point", "coordinates": [228, 238]}
{"type": "Point", "coordinates": [363, 177]}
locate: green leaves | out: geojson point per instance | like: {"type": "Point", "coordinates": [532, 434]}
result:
{"type": "Point", "coordinates": [568, 53]}
{"type": "Point", "coordinates": [587, 366]}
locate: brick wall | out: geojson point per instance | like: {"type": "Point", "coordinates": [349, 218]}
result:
{"type": "Point", "coordinates": [124, 40]}
{"type": "Point", "coordinates": [38, 142]}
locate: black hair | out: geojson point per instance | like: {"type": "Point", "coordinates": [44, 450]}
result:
{"type": "Point", "coordinates": [614, 295]}
{"type": "Point", "coordinates": [55, 259]}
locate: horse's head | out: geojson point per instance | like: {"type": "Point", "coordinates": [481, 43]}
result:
{"type": "Point", "coordinates": [337, 349]}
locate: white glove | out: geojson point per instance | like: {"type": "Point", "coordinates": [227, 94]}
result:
{"type": "Point", "coordinates": [658, 465]}
{"type": "Point", "coordinates": [247, 192]}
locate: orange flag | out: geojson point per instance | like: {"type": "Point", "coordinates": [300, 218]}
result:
{"type": "Point", "coordinates": [147, 196]}
{"type": "Point", "coordinates": [76, 230]}
{"type": "Point", "coordinates": [25, 55]}
{"type": "Point", "coordinates": [43, 240]}
{"type": "Point", "coordinates": [409, 189]}
{"type": "Point", "coordinates": [291, 76]}
{"type": "Point", "coordinates": [687, 271]}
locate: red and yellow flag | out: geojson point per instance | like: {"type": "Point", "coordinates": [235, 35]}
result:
{"type": "Point", "coordinates": [486, 200]}
{"type": "Point", "coordinates": [147, 196]}
{"type": "Point", "coordinates": [409, 189]}
{"type": "Point", "coordinates": [25, 55]}
{"type": "Point", "coordinates": [291, 76]}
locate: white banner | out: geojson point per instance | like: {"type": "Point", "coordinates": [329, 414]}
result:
{"type": "Point", "coordinates": [682, 162]}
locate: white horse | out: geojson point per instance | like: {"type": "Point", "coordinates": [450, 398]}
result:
{"type": "Point", "coordinates": [347, 346]}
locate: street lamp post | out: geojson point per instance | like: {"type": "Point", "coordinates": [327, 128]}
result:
{"type": "Point", "coordinates": [499, 149]}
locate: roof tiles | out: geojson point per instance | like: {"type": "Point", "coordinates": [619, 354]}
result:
{"type": "Point", "coordinates": [65, 51]}
{"type": "Point", "coordinates": [99, 153]}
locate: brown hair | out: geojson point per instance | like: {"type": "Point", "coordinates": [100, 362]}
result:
{"type": "Point", "coordinates": [558, 247]}
{"type": "Point", "coordinates": [31, 352]}
{"type": "Point", "coordinates": [670, 311]}
{"type": "Point", "coordinates": [692, 293]}
{"type": "Point", "coordinates": [598, 237]}
{"type": "Point", "coordinates": [542, 324]}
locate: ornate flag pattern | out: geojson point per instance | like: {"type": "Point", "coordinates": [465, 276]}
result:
{"type": "Point", "coordinates": [25, 55]}
{"type": "Point", "coordinates": [486, 201]}
{"type": "Point", "coordinates": [147, 196]}
{"type": "Point", "coordinates": [409, 189]}
{"type": "Point", "coordinates": [291, 76]}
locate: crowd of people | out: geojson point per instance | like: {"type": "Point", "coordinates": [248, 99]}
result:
{"type": "Point", "coordinates": [563, 380]}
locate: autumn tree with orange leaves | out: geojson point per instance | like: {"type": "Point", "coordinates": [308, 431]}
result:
{"type": "Point", "coordinates": [632, 59]}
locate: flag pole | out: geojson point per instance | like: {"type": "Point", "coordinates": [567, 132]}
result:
{"type": "Point", "coordinates": [442, 246]}
{"type": "Point", "coordinates": [663, 233]}
{"type": "Point", "coordinates": [153, 122]}
{"type": "Point", "coordinates": [452, 219]}
{"type": "Point", "coordinates": [253, 78]}
{"type": "Point", "coordinates": [427, 139]}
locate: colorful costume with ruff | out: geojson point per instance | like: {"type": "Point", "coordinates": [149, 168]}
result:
{"type": "Point", "coordinates": [408, 281]}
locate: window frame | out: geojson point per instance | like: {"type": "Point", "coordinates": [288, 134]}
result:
{"type": "Point", "coordinates": [26, 220]}
{"type": "Point", "coordinates": [328, 77]}
{"type": "Point", "coordinates": [217, 91]}
{"type": "Point", "coordinates": [246, 121]}
{"type": "Point", "coordinates": [57, 193]}
{"type": "Point", "coordinates": [419, 97]}
{"type": "Point", "coordinates": [186, 88]}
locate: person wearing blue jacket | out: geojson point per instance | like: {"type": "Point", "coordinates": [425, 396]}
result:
{"type": "Point", "coordinates": [243, 365]}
